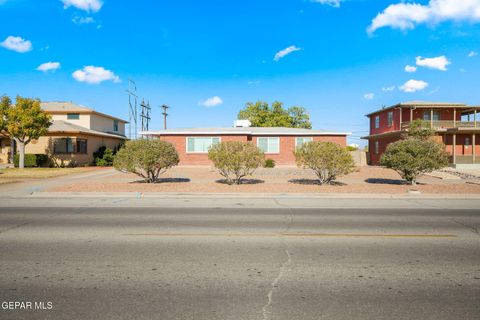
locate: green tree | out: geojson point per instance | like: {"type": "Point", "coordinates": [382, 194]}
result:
{"type": "Point", "coordinates": [23, 122]}
{"type": "Point", "coordinates": [412, 157]}
{"type": "Point", "coordinates": [5, 104]}
{"type": "Point", "coordinates": [300, 118]}
{"type": "Point", "coordinates": [419, 129]}
{"type": "Point", "coordinates": [327, 159]}
{"type": "Point", "coordinates": [261, 114]}
{"type": "Point", "coordinates": [146, 158]}
{"type": "Point", "coordinates": [235, 159]}
{"type": "Point", "coordinates": [103, 157]}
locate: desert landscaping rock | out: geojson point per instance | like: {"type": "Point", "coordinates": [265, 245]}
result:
{"type": "Point", "coordinates": [373, 180]}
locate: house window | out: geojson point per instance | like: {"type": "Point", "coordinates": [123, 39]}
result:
{"type": "Point", "coordinates": [301, 140]}
{"type": "Point", "coordinates": [73, 116]}
{"type": "Point", "coordinates": [427, 115]}
{"type": "Point", "coordinates": [377, 122]}
{"type": "Point", "coordinates": [62, 145]}
{"type": "Point", "coordinates": [377, 147]}
{"type": "Point", "coordinates": [390, 118]}
{"type": "Point", "coordinates": [201, 144]}
{"type": "Point", "coordinates": [269, 144]}
{"type": "Point", "coordinates": [467, 142]}
{"type": "Point", "coordinates": [81, 145]}
{"type": "Point", "coordinates": [115, 125]}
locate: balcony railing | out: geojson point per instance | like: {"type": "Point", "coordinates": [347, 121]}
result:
{"type": "Point", "coordinates": [446, 124]}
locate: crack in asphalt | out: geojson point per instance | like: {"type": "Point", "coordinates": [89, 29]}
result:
{"type": "Point", "coordinates": [471, 228]}
{"type": "Point", "coordinates": [266, 312]}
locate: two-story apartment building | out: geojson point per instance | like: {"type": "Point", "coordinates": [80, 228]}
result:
{"type": "Point", "coordinates": [75, 134]}
{"type": "Point", "coordinates": [455, 125]}
{"type": "Point", "coordinates": [278, 144]}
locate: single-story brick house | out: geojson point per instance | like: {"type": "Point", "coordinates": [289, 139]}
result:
{"type": "Point", "coordinates": [278, 143]}
{"type": "Point", "coordinates": [75, 134]}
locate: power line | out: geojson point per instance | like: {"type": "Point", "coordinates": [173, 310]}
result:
{"type": "Point", "coordinates": [132, 111]}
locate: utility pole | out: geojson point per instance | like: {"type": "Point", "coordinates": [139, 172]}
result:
{"type": "Point", "coordinates": [145, 115]}
{"type": "Point", "coordinates": [132, 112]}
{"type": "Point", "coordinates": [165, 114]}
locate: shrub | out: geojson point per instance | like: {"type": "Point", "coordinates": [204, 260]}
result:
{"type": "Point", "coordinates": [32, 160]}
{"type": "Point", "coordinates": [146, 158]}
{"type": "Point", "coordinates": [103, 157]}
{"type": "Point", "coordinates": [235, 160]}
{"type": "Point", "coordinates": [352, 148]}
{"type": "Point", "coordinates": [413, 157]}
{"type": "Point", "coordinates": [269, 163]}
{"type": "Point", "coordinates": [327, 159]}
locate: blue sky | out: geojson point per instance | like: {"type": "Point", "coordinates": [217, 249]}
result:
{"type": "Point", "coordinates": [339, 59]}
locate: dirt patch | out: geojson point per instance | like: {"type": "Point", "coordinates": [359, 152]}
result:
{"type": "Point", "coordinates": [277, 180]}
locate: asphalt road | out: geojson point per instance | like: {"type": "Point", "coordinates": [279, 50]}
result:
{"type": "Point", "coordinates": [237, 263]}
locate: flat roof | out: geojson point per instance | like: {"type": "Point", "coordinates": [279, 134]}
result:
{"type": "Point", "coordinates": [66, 107]}
{"type": "Point", "coordinates": [256, 131]}
{"type": "Point", "coordinates": [422, 104]}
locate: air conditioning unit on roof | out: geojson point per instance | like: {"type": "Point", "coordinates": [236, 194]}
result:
{"type": "Point", "coordinates": [242, 123]}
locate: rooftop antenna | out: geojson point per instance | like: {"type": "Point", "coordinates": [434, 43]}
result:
{"type": "Point", "coordinates": [165, 115]}
{"type": "Point", "coordinates": [132, 112]}
{"type": "Point", "coordinates": [145, 115]}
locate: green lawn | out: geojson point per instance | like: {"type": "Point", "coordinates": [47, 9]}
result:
{"type": "Point", "coordinates": [15, 175]}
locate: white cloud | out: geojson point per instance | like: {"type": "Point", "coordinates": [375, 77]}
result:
{"type": "Point", "coordinates": [413, 86]}
{"type": "Point", "coordinates": [472, 54]}
{"type": "Point", "coordinates": [406, 16]}
{"type": "Point", "coordinates": [212, 102]}
{"type": "Point", "coordinates": [369, 96]}
{"type": "Point", "coordinates": [254, 82]}
{"type": "Point", "coordinates": [83, 20]}
{"type": "Point", "coordinates": [410, 69]}
{"type": "Point", "coordinates": [388, 89]}
{"type": "Point", "coordinates": [86, 5]}
{"type": "Point", "coordinates": [333, 3]}
{"type": "Point", "coordinates": [95, 75]}
{"type": "Point", "coordinates": [282, 53]}
{"type": "Point", "coordinates": [438, 63]}
{"type": "Point", "coordinates": [48, 66]}
{"type": "Point", "coordinates": [17, 44]}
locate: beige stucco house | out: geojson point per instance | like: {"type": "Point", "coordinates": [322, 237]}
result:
{"type": "Point", "coordinates": [75, 134]}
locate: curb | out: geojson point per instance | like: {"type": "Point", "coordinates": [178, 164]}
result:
{"type": "Point", "coordinates": [172, 195]}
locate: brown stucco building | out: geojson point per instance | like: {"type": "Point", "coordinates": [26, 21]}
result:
{"type": "Point", "coordinates": [75, 134]}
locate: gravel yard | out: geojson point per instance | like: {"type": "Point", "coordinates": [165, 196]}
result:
{"type": "Point", "coordinates": [277, 180]}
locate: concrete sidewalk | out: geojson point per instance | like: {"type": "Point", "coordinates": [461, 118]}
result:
{"type": "Point", "coordinates": [197, 195]}
{"type": "Point", "coordinates": [232, 201]}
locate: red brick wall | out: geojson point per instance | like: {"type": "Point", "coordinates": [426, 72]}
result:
{"type": "Point", "coordinates": [196, 158]}
{"type": "Point", "coordinates": [384, 121]}
{"type": "Point", "coordinates": [287, 147]}
{"type": "Point", "coordinates": [382, 146]}
{"type": "Point", "coordinates": [445, 114]}
{"type": "Point", "coordinates": [285, 157]}
{"type": "Point", "coordinates": [460, 148]}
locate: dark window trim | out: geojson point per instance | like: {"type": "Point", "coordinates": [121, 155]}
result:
{"type": "Point", "coordinates": [74, 144]}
